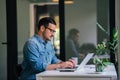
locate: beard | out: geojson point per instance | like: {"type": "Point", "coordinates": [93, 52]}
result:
{"type": "Point", "coordinates": [46, 37]}
{"type": "Point", "coordinates": [50, 38]}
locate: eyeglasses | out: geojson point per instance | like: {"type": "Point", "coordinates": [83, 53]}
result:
{"type": "Point", "coordinates": [51, 30]}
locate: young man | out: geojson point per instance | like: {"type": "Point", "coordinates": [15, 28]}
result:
{"type": "Point", "coordinates": [39, 52]}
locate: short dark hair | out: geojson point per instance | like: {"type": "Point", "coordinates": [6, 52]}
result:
{"type": "Point", "coordinates": [45, 22]}
{"type": "Point", "coordinates": [72, 32]}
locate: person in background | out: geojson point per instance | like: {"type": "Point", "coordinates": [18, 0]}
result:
{"type": "Point", "coordinates": [72, 44]}
{"type": "Point", "coordinates": [38, 52]}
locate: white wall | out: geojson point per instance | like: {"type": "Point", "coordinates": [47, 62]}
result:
{"type": "Point", "coordinates": [82, 15]}
{"type": "Point", "coordinates": [23, 25]}
{"type": "Point", "coordinates": [118, 26]}
{"type": "Point", "coordinates": [3, 38]}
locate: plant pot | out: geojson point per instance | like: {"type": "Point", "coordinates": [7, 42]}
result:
{"type": "Point", "coordinates": [99, 68]}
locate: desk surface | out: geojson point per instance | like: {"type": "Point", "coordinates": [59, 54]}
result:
{"type": "Point", "coordinates": [87, 71]}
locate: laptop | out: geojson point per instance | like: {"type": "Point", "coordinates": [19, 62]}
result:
{"type": "Point", "coordinates": [81, 65]}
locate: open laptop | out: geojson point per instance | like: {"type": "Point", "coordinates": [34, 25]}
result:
{"type": "Point", "coordinates": [82, 64]}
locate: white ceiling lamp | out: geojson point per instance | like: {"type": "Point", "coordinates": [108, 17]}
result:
{"type": "Point", "coordinates": [66, 1]}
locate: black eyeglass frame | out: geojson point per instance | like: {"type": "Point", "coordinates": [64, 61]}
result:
{"type": "Point", "coordinates": [51, 30]}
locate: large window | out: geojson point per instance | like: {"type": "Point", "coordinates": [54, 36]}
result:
{"type": "Point", "coordinates": [89, 18]}
{"type": "Point", "coordinates": [80, 16]}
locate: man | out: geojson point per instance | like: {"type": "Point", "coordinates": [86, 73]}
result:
{"type": "Point", "coordinates": [39, 52]}
{"type": "Point", "coordinates": [72, 44]}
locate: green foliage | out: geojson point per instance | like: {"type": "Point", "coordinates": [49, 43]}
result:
{"type": "Point", "coordinates": [106, 47]}
{"type": "Point", "coordinates": [101, 49]}
{"type": "Point", "coordinates": [98, 61]}
{"type": "Point", "coordinates": [114, 43]}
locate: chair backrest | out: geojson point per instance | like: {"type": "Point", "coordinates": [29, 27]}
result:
{"type": "Point", "coordinates": [19, 69]}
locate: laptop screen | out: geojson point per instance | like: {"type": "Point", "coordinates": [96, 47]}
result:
{"type": "Point", "coordinates": [85, 60]}
{"type": "Point", "coordinates": [81, 65]}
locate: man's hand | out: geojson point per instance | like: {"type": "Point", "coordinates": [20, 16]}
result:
{"type": "Point", "coordinates": [70, 63]}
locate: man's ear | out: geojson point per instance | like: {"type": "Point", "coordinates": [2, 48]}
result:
{"type": "Point", "coordinates": [42, 28]}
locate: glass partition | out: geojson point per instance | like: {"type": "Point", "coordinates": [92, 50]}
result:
{"type": "Point", "coordinates": [86, 25]}
{"type": "Point", "coordinates": [80, 15]}
{"type": "Point", "coordinates": [80, 27]}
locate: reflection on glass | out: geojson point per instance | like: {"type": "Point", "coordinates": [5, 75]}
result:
{"type": "Point", "coordinates": [84, 15]}
{"type": "Point", "coordinates": [72, 43]}
{"type": "Point", "coordinates": [81, 15]}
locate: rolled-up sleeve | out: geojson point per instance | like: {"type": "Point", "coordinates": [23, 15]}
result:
{"type": "Point", "coordinates": [55, 60]}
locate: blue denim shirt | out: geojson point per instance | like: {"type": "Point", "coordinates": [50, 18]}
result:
{"type": "Point", "coordinates": [37, 55]}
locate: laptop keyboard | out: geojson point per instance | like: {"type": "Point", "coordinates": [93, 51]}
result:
{"type": "Point", "coordinates": [71, 68]}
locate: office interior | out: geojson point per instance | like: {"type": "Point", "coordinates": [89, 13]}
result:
{"type": "Point", "coordinates": [19, 19]}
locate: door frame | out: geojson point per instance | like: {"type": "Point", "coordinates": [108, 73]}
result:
{"type": "Point", "coordinates": [12, 52]}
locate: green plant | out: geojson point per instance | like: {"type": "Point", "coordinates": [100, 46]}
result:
{"type": "Point", "coordinates": [101, 49]}
{"type": "Point", "coordinates": [111, 45]}
{"type": "Point", "coordinates": [105, 48]}
{"type": "Point", "coordinates": [100, 63]}
{"type": "Point", "coordinates": [114, 43]}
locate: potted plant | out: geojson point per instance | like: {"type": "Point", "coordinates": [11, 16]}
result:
{"type": "Point", "coordinates": [100, 60]}
{"type": "Point", "coordinates": [105, 48]}
{"type": "Point", "coordinates": [100, 64]}
{"type": "Point", "coordinates": [112, 45]}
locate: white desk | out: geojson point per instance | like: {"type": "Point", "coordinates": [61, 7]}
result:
{"type": "Point", "coordinates": [86, 73]}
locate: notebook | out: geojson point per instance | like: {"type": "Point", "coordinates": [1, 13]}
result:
{"type": "Point", "coordinates": [81, 65]}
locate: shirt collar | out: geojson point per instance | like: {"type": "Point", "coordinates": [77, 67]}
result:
{"type": "Point", "coordinates": [40, 39]}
